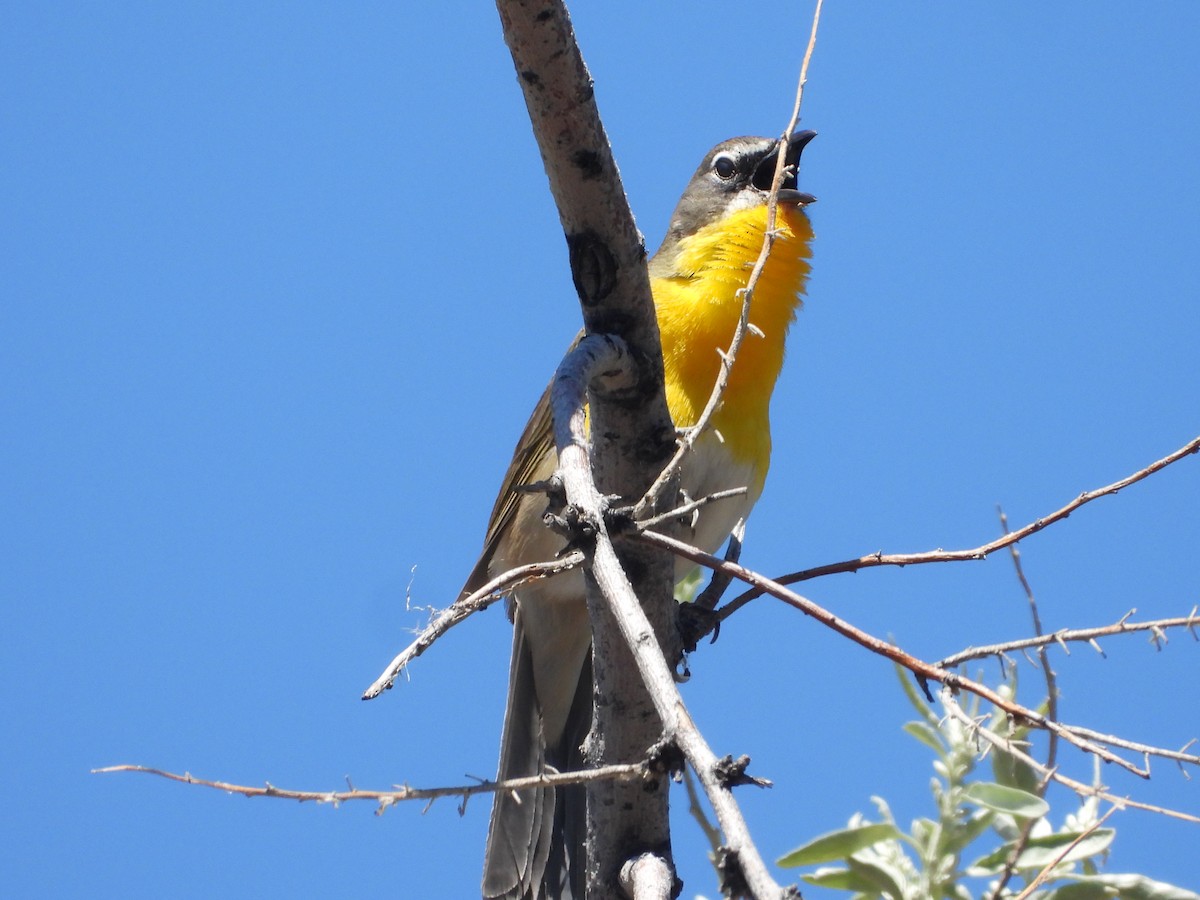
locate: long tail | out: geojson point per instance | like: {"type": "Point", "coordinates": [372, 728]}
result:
{"type": "Point", "coordinates": [535, 844]}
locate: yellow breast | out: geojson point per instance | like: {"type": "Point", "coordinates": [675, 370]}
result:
{"type": "Point", "coordinates": [698, 303]}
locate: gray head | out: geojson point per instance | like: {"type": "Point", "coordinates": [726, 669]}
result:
{"type": "Point", "coordinates": [736, 174]}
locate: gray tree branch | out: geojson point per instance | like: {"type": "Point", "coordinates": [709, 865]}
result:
{"type": "Point", "coordinates": [592, 357]}
{"type": "Point", "coordinates": [631, 435]}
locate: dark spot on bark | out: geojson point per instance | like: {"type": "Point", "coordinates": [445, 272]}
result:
{"type": "Point", "coordinates": [589, 163]}
{"type": "Point", "coordinates": [730, 877]}
{"type": "Point", "coordinates": [657, 447]}
{"type": "Point", "coordinates": [593, 267]}
{"type": "Point", "coordinates": [544, 15]}
{"type": "Point", "coordinates": [665, 758]}
{"type": "Point", "coordinates": [531, 77]}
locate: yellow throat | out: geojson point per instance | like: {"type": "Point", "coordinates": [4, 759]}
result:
{"type": "Point", "coordinates": [698, 301]}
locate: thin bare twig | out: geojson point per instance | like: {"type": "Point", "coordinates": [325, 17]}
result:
{"type": "Point", "coordinates": [628, 772]}
{"type": "Point", "coordinates": [951, 705]}
{"type": "Point", "coordinates": [710, 831]}
{"type": "Point", "coordinates": [1146, 750]}
{"type": "Point", "coordinates": [1022, 841]}
{"type": "Point", "coordinates": [1043, 659]}
{"type": "Point", "coordinates": [650, 500]}
{"type": "Point", "coordinates": [1059, 857]}
{"type": "Point", "coordinates": [924, 671]}
{"type": "Point", "coordinates": [874, 560]}
{"type": "Point", "coordinates": [1074, 635]}
{"type": "Point", "coordinates": [690, 506]}
{"type": "Point", "coordinates": [481, 599]}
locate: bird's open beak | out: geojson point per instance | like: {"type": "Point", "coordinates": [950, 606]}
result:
{"type": "Point", "coordinates": [787, 190]}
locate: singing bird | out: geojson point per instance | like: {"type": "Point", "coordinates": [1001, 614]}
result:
{"type": "Point", "coordinates": [535, 840]}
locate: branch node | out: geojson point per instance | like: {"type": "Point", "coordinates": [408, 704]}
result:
{"type": "Point", "coordinates": [666, 758]}
{"type": "Point", "coordinates": [552, 487]}
{"type": "Point", "coordinates": [579, 528]}
{"type": "Point", "coordinates": [651, 876]}
{"type": "Point", "coordinates": [618, 519]}
{"type": "Point", "coordinates": [731, 773]}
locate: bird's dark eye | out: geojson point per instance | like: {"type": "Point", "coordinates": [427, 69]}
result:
{"type": "Point", "coordinates": [724, 166]}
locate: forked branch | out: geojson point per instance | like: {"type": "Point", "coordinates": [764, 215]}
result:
{"type": "Point", "coordinates": [924, 671]}
{"type": "Point", "coordinates": [873, 560]}
{"type": "Point", "coordinates": [483, 598]}
{"type": "Point", "coordinates": [568, 396]}
{"type": "Point", "coordinates": [1157, 628]}
{"type": "Point", "coordinates": [1004, 745]}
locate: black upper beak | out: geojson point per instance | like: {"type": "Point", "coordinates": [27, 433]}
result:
{"type": "Point", "coordinates": [765, 172]}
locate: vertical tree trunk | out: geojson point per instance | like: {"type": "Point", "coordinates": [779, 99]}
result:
{"type": "Point", "coordinates": [632, 435]}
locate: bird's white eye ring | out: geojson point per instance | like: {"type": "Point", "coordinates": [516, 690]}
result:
{"type": "Point", "coordinates": [724, 166]}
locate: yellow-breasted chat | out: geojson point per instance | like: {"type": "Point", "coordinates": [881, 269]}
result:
{"type": "Point", "coordinates": [697, 277]}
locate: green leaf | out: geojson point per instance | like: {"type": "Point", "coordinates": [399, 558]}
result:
{"type": "Point", "coordinates": [842, 880]}
{"type": "Point", "coordinates": [1080, 891]}
{"type": "Point", "coordinates": [1004, 799]}
{"type": "Point", "coordinates": [924, 833]}
{"type": "Point", "coordinates": [839, 844]}
{"type": "Point", "coordinates": [927, 735]}
{"type": "Point", "coordinates": [975, 825]}
{"type": "Point", "coordinates": [991, 863]}
{"type": "Point", "coordinates": [885, 879]}
{"type": "Point", "coordinates": [881, 806]}
{"type": "Point", "coordinates": [1043, 851]}
{"type": "Point", "coordinates": [867, 879]}
{"type": "Point", "coordinates": [1127, 887]}
{"type": "Point", "coordinates": [1013, 772]}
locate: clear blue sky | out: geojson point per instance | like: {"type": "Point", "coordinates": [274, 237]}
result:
{"type": "Point", "coordinates": [281, 282]}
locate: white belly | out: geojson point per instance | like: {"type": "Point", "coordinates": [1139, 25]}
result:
{"type": "Point", "coordinates": [707, 471]}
